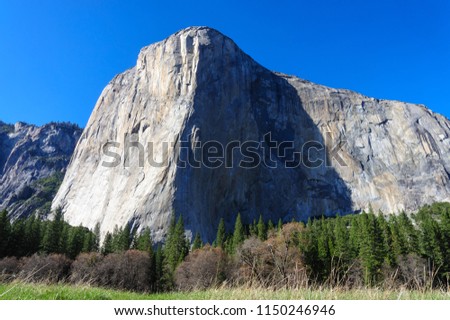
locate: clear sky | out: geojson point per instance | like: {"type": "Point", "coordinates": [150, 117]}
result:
{"type": "Point", "coordinates": [57, 56]}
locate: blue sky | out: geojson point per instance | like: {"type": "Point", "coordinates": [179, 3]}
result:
{"type": "Point", "coordinates": [57, 56]}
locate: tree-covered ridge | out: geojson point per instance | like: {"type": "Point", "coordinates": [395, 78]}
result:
{"type": "Point", "coordinates": [364, 250]}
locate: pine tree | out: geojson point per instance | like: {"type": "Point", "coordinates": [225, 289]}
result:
{"type": "Point", "coordinates": [32, 234]}
{"type": "Point", "coordinates": [252, 228]}
{"type": "Point", "coordinates": [96, 243]}
{"type": "Point", "coordinates": [52, 239]}
{"type": "Point", "coordinates": [115, 239]}
{"type": "Point", "coordinates": [280, 225]}
{"type": "Point", "coordinates": [431, 240]}
{"type": "Point", "coordinates": [399, 246]}
{"type": "Point", "coordinates": [17, 245]}
{"type": "Point", "coordinates": [371, 253]}
{"type": "Point", "coordinates": [270, 226]}
{"type": "Point", "coordinates": [124, 241]}
{"type": "Point", "coordinates": [220, 238]}
{"type": "Point", "coordinates": [88, 241]}
{"type": "Point", "coordinates": [386, 236]}
{"type": "Point", "coordinates": [445, 231]}
{"type": "Point", "coordinates": [408, 232]}
{"type": "Point", "coordinates": [64, 239]}
{"type": "Point", "coordinates": [197, 243]}
{"type": "Point", "coordinates": [144, 241]}
{"type": "Point", "coordinates": [308, 246]}
{"type": "Point", "coordinates": [108, 245]}
{"type": "Point", "coordinates": [323, 248]}
{"type": "Point", "coordinates": [75, 242]}
{"type": "Point", "coordinates": [5, 231]}
{"type": "Point", "coordinates": [177, 246]}
{"type": "Point", "coordinates": [354, 236]}
{"type": "Point", "coordinates": [238, 234]}
{"type": "Point", "coordinates": [341, 236]}
{"type": "Point", "coordinates": [261, 228]}
{"type": "Point", "coordinates": [159, 269]}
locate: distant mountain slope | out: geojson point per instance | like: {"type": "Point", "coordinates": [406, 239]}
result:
{"type": "Point", "coordinates": [33, 161]}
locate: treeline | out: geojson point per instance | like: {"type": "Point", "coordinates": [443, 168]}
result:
{"type": "Point", "coordinates": [353, 251]}
{"type": "Point", "coordinates": [25, 237]}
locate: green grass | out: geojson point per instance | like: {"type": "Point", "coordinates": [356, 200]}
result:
{"type": "Point", "coordinates": [23, 291]}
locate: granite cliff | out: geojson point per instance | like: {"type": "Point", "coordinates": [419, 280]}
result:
{"type": "Point", "coordinates": [198, 88]}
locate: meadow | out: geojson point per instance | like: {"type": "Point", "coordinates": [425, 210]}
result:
{"type": "Point", "coordinates": [29, 291]}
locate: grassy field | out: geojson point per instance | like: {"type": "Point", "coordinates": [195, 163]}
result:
{"type": "Point", "coordinates": [22, 291]}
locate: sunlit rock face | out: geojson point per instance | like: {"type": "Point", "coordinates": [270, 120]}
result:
{"type": "Point", "coordinates": [320, 150]}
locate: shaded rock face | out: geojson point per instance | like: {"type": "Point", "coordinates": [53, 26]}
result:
{"type": "Point", "coordinates": [198, 88]}
{"type": "Point", "coordinates": [32, 162]}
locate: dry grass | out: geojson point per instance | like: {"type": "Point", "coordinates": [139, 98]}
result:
{"type": "Point", "coordinates": [23, 291]}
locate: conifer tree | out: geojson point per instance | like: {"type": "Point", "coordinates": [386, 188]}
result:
{"type": "Point", "coordinates": [431, 240]}
{"type": "Point", "coordinates": [323, 247]}
{"type": "Point", "coordinates": [370, 253]}
{"type": "Point", "coordinates": [270, 226]}
{"type": "Point", "coordinates": [17, 245]}
{"type": "Point", "coordinates": [408, 232]}
{"type": "Point", "coordinates": [445, 231]}
{"type": "Point", "coordinates": [159, 269]}
{"type": "Point", "coordinates": [5, 230]}
{"type": "Point", "coordinates": [238, 234]}
{"type": "Point", "coordinates": [253, 229]}
{"type": "Point", "coordinates": [108, 245]}
{"type": "Point", "coordinates": [279, 225]}
{"type": "Point", "coordinates": [124, 241]}
{"type": "Point", "coordinates": [308, 246]}
{"type": "Point", "coordinates": [64, 239]}
{"type": "Point", "coordinates": [220, 238]}
{"type": "Point", "coordinates": [341, 248]}
{"type": "Point", "coordinates": [197, 243]}
{"type": "Point", "coordinates": [386, 238]}
{"type": "Point", "coordinates": [53, 234]}
{"type": "Point", "coordinates": [144, 241]}
{"type": "Point", "coordinates": [399, 246]}
{"type": "Point", "coordinates": [34, 231]}
{"type": "Point", "coordinates": [96, 242]}
{"type": "Point", "coordinates": [261, 228]}
{"type": "Point", "coordinates": [88, 241]}
{"type": "Point", "coordinates": [177, 246]}
{"type": "Point", "coordinates": [115, 238]}
{"type": "Point", "coordinates": [354, 236]}
{"type": "Point", "coordinates": [75, 242]}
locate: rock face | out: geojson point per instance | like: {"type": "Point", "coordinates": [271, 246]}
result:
{"type": "Point", "coordinates": [198, 88]}
{"type": "Point", "coordinates": [32, 162]}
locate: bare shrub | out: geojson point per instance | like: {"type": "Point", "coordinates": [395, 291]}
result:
{"type": "Point", "coordinates": [202, 268]}
{"type": "Point", "coordinates": [277, 262]}
{"type": "Point", "coordinates": [84, 268]}
{"type": "Point", "coordinates": [353, 276]}
{"type": "Point", "coordinates": [129, 270]}
{"type": "Point", "coordinates": [290, 270]}
{"type": "Point", "coordinates": [9, 268]}
{"type": "Point", "coordinates": [255, 267]}
{"type": "Point", "coordinates": [45, 268]}
{"type": "Point", "coordinates": [415, 272]}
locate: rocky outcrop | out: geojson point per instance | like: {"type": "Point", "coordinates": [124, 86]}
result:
{"type": "Point", "coordinates": [197, 87]}
{"type": "Point", "coordinates": [32, 162]}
